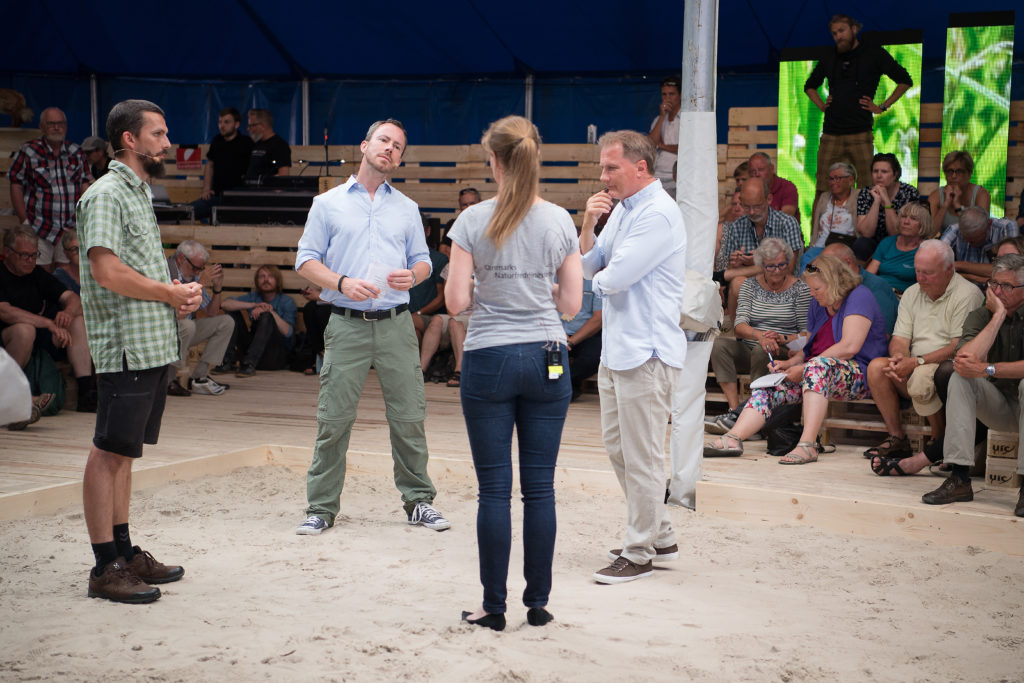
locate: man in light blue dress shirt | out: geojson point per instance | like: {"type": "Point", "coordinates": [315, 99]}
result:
{"type": "Point", "coordinates": [638, 267]}
{"type": "Point", "coordinates": [363, 245]}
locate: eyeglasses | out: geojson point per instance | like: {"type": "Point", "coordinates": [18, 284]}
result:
{"type": "Point", "coordinates": [811, 268]}
{"type": "Point", "coordinates": [194, 266]}
{"type": "Point", "coordinates": [26, 255]}
{"type": "Point", "coordinates": [55, 124]}
{"type": "Point", "coordinates": [995, 286]}
{"type": "Point", "coordinates": [955, 171]}
{"type": "Point", "coordinates": [836, 179]}
{"type": "Point", "coordinates": [751, 207]}
{"type": "Point", "coordinates": [776, 266]}
{"type": "Point", "coordinates": [70, 250]}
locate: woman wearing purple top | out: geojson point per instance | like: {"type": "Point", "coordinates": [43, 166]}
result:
{"type": "Point", "coordinates": [846, 330]}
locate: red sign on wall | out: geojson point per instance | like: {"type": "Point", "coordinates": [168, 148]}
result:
{"type": "Point", "coordinates": [189, 158]}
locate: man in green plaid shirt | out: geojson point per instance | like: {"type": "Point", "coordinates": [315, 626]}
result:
{"type": "Point", "coordinates": [131, 308]}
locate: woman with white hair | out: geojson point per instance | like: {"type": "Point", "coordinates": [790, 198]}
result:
{"type": "Point", "coordinates": [771, 311]}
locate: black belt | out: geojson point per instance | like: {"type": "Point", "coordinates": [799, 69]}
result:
{"type": "Point", "coordinates": [384, 314]}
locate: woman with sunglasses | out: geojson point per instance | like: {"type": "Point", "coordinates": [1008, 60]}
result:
{"type": "Point", "coordinates": [68, 273]}
{"type": "Point", "coordinates": [878, 205]}
{"type": "Point", "coordinates": [835, 213]}
{"type": "Point", "coordinates": [771, 312]}
{"type": "Point", "coordinates": [959, 193]}
{"type": "Point", "coordinates": [846, 330]}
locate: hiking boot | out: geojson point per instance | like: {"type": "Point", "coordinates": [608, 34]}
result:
{"type": "Point", "coordinates": [118, 584]}
{"type": "Point", "coordinates": [312, 526]}
{"type": "Point", "coordinates": [210, 387]}
{"type": "Point", "coordinates": [145, 566]}
{"type": "Point", "coordinates": [425, 515]}
{"type": "Point", "coordinates": [227, 368]}
{"type": "Point", "coordinates": [622, 570]}
{"type": "Point", "coordinates": [175, 388]}
{"type": "Point", "coordinates": [666, 554]}
{"type": "Point", "coordinates": [954, 490]}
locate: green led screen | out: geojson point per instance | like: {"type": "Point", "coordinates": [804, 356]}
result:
{"type": "Point", "coordinates": [896, 131]}
{"type": "Point", "coordinates": [976, 102]}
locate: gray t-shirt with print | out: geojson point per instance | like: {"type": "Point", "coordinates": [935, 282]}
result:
{"type": "Point", "coordinates": [512, 303]}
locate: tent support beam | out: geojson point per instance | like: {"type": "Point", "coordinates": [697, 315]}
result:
{"type": "Point", "coordinates": [697, 195]}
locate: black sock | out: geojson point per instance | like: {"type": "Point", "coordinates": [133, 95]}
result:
{"type": "Point", "coordinates": [962, 472]}
{"type": "Point", "coordinates": [86, 385]}
{"type": "Point", "coordinates": [105, 553]}
{"type": "Point", "coordinates": [123, 542]}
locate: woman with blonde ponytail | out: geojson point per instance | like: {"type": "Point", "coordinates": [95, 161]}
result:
{"type": "Point", "coordinates": [515, 369]}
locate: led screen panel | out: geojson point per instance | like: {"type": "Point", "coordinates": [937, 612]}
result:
{"type": "Point", "coordinates": [896, 131]}
{"type": "Point", "coordinates": [976, 101]}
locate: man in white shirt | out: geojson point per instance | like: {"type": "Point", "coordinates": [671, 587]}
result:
{"type": "Point", "coordinates": [665, 134]}
{"type": "Point", "coordinates": [637, 266]}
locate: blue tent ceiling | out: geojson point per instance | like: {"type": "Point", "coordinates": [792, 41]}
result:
{"type": "Point", "coordinates": [274, 39]}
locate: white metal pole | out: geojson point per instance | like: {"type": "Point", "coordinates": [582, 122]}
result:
{"type": "Point", "coordinates": [697, 195]}
{"type": "Point", "coordinates": [305, 111]}
{"type": "Point", "coordinates": [94, 105]}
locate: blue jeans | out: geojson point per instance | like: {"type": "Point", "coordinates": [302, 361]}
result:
{"type": "Point", "coordinates": [502, 387]}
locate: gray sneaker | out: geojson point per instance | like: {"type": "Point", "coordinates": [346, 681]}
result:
{"type": "Point", "coordinates": [622, 570]}
{"type": "Point", "coordinates": [426, 515]}
{"type": "Point", "coordinates": [312, 526]}
{"type": "Point", "coordinates": [719, 424]}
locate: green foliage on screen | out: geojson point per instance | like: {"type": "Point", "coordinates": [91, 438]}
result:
{"type": "Point", "coordinates": [799, 132]}
{"type": "Point", "coordinates": [899, 129]}
{"type": "Point", "coordinates": [976, 109]}
{"type": "Point", "coordinates": [896, 131]}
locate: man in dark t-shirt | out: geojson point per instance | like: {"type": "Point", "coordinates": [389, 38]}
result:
{"type": "Point", "coordinates": [38, 312]}
{"type": "Point", "coordinates": [227, 160]}
{"type": "Point", "coordinates": [270, 155]}
{"type": "Point", "coordinates": [853, 72]}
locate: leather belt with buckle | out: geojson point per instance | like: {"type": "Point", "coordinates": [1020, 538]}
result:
{"type": "Point", "coordinates": [371, 315]}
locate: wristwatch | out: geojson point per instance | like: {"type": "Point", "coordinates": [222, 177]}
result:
{"type": "Point", "coordinates": [990, 370]}
{"type": "Point", "coordinates": [920, 360]}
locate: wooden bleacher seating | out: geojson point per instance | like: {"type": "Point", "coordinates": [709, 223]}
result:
{"type": "Point", "coordinates": [432, 175]}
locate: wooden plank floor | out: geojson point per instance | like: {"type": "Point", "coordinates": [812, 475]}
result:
{"type": "Point", "coordinates": [280, 408]}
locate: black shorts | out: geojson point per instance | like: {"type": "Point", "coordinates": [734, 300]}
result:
{"type": "Point", "coordinates": [129, 409]}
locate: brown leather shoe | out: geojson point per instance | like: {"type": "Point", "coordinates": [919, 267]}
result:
{"type": "Point", "coordinates": [120, 585]}
{"type": "Point", "coordinates": [953, 490]}
{"type": "Point", "coordinates": [1019, 510]}
{"type": "Point", "coordinates": [145, 566]}
{"type": "Point", "coordinates": [175, 388]}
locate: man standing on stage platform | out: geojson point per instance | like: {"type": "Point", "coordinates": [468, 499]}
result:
{"type": "Point", "coordinates": [131, 308]}
{"type": "Point", "coordinates": [852, 72]}
{"type": "Point", "coordinates": [227, 161]}
{"type": "Point", "coordinates": [665, 134]}
{"type": "Point", "coordinates": [47, 176]}
{"type": "Point", "coordinates": [364, 246]}
{"type": "Point", "coordinates": [637, 266]}
{"type": "Point", "coordinates": [271, 155]}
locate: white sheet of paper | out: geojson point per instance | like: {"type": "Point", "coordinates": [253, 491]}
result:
{"type": "Point", "coordinates": [797, 344]}
{"type": "Point", "coordinates": [772, 380]}
{"type": "Point", "coordinates": [378, 275]}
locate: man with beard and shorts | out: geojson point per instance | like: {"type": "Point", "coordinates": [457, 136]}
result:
{"type": "Point", "coordinates": [131, 308]}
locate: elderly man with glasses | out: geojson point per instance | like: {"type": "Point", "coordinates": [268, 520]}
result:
{"type": "Point", "coordinates": [972, 239]}
{"type": "Point", "coordinates": [190, 263]}
{"type": "Point", "coordinates": [47, 176]}
{"type": "Point", "coordinates": [33, 302]}
{"type": "Point", "coordinates": [987, 384]}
